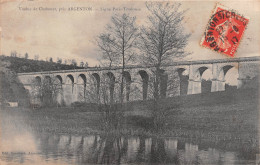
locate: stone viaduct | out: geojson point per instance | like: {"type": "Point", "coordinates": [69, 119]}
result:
{"type": "Point", "coordinates": [103, 84]}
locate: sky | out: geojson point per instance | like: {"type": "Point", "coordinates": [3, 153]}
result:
{"type": "Point", "coordinates": [71, 34]}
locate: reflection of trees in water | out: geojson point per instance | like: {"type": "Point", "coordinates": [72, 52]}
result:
{"type": "Point", "coordinates": [112, 149]}
{"type": "Point", "coordinates": [162, 153]}
{"type": "Point", "coordinates": [140, 157]}
{"type": "Point", "coordinates": [158, 153]}
{"type": "Point", "coordinates": [79, 148]}
{"type": "Point", "coordinates": [108, 149]}
{"type": "Point", "coordinates": [49, 145]}
{"type": "Point", "coordinates": [117, 149]}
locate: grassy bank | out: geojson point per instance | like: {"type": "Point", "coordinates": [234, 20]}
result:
{"type": "Point", "coordinates": [220, 124]}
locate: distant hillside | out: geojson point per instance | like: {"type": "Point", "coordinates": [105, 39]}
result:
{"type": "Point", "coordinates": [11, 88]}
{"type": "Point", "coordinates": [21, 65]}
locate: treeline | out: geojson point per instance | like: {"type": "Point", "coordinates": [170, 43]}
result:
{"type": "Point", "coordinates": [11, 90]}
{"type": "Point", "coordinates": [50, 59]}
{"type": "Point", "coordinates": [5, 89]}
{"type": "Point", "coordinates": [21, 65]}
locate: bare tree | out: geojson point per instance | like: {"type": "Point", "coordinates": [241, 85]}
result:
{"type": "Point", "coordinates": [59, 60]}
{"type": "Point", "coordinates": [26, 56]}
{"type": "Point", "coordinates": [163, 39]}
{"type": "Point", "coordinates": [45, 92]}
{"type": "Point", "coordinates": [86, 65]}
{"type": "Point", "coordinates": [73, 62]}
{"type": "Point", "coordinates": [117, 44]}
{"type": "Point", "coordinates": [13, 54]}
{"type": "Point", "coordinates": [36, 57]}
{"type": "Point", "coordinates": [81, 64]}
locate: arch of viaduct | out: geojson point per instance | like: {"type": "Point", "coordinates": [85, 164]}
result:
{"type": "Point", "coordinates": [95, 84]}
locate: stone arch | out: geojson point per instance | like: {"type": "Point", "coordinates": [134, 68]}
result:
{"type": "Point", "coordinates": [127, 84]}
{"type": "Point", "coordinates": [70, 81]}
{"type": "Point", "coordinates": [204, 86]}
{"type": "Point", "coordinates": [37, 90]}
{"type": "Point", "coordinates": [201, 70]}
{"type": "Point", "coordinates": [96, 82]}
{"type": "Point", "coordinates": [183, 81]}
{"type": "Point", "coordinates": [47, 79]}
{"type": "Point", "coordinates": [206, 81]}
{"type": "Point", "coordinates": [47, 83]}
{"type": "Point", "coordinates": [58, 79]}
{"type": "Point", "coordinates": [223, 71]}
{"type": "Point", "coordinates": [163, 83]}
{"type": "Point", "coordinates": [38, 80]}
{"type": "Point", "coordinates": [145, 80]}
{"type": "Point", "coordinates": [68, 89]}
{"type": "Point", "coordinates": [59, 89]}
{"type": "Point", "coordinates": [47, 91]}
{"type": "Point", "coordinates": [111, 84]}
{"type": "Point", "coordinates": [81, 87]}
{"type": "Point", "coordinates": [222, 75]}
{"type": "Point", "coordinates": [70, 78]}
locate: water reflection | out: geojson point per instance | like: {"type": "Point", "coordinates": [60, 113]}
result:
{"type": "Point", "coordinates": [41, 148]}
{"type": "Point", "coordinates": [110, 149]}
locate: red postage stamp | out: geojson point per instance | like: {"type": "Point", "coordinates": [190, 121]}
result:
{"type": "Point", "coordinates": [224, 31]}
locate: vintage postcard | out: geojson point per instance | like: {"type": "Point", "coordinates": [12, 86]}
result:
{"type": "Point", "coordinates": [129, 82]}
